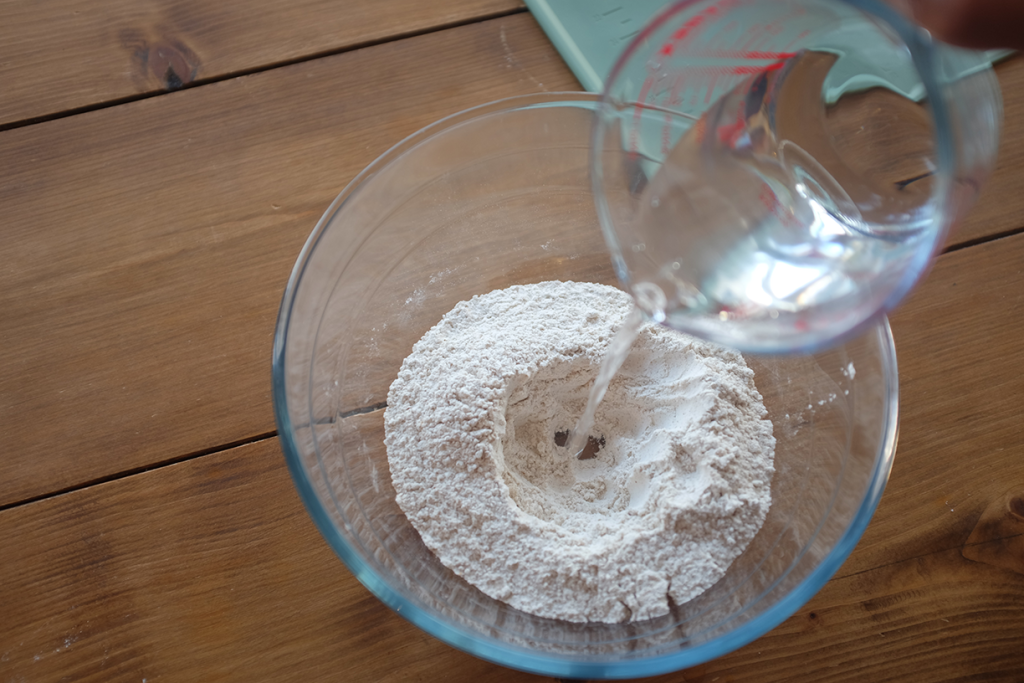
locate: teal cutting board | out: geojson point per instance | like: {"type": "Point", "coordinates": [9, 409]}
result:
{"type": "Point", "coordinates": [590, 34]}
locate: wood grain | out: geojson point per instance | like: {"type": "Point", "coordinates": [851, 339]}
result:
{"type": "Point", "coordinates": [1000, 206]}
{"type": "Point", "coordinates": [237, 585]}
{"type": "Point", "coordinates": [68, 54]}
{"type": "Point", "coordinates": [210, 569]}
{"type": "Point", "coordinates": [933, 618]}
{"type": "Point", "coordinates": [146, 246]}
{"type": "Point", "coordinates": [998, 537]}
{"type": "Point", "coordinates": [960, 350]}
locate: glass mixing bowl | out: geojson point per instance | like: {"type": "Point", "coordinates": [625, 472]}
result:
{"type": "Point", "coordinates": [496, 196]}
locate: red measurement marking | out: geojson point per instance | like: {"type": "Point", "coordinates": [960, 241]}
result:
{"type": "Point", "coordinates": [692, 24]}
{"type": "Point", "coordinates": [764, 55]}
{"type": "Point", "coordinates": [738, 69]}
{"type": "Point", "coordinates": [733, 69]}
{"type": "Point", "coordinates": [747, 53]}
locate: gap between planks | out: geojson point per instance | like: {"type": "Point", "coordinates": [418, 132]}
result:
{"type": "Point", "coordinates": [74, 111]}
{"type": "Point", "coordinates": [983, 240]}
{"type": "Point", "coordinates": [123, 474]}
{"type": "Point", "coordinates": [360, 411]}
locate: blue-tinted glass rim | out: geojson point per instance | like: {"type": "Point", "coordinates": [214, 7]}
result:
{"type": "Point", "coordinates": [513, 656]}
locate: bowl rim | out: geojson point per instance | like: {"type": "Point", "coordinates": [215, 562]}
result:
{"type": "Point", "coordinates": [517, 657]}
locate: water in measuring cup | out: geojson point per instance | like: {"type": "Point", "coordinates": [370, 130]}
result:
{"type": "Point", "coordinates": [777, 222]}
{"type": "Point", "coordinates": [780, 222]}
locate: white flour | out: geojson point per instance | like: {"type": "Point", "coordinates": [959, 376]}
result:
{"type": "Point", "coordinates": [679, 489]}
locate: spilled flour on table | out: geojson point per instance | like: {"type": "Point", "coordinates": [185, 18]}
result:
{"type": "Point", "coordinates": [678, 489]}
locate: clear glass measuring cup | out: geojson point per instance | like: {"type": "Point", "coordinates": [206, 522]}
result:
{"type": "Point", "coordinates": [773, 174]}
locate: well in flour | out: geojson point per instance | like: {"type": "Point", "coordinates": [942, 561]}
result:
{"type": "Point", "coordinates": [677, 486]}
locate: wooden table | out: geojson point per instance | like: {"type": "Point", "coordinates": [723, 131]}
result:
{"type": "Point", "coordinates": [161, 164]}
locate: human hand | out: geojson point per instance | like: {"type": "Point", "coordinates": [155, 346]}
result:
{"type": "Point", "coordinates": [982, 24]}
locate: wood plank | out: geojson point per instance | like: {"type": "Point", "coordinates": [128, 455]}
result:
{"type": "Point", "coordinates": [67, 54]}
{"type": "Point", "coordinates": [934, 618]}
{"type": "Point", "coordinates": [211, 570]}
{"type": "Point", "coordinates": [94, 593]}
{"type": "Point", "coordinates": [1000, 206]}
{"type": "Point", "coordinates": [208, 570]}
{"type": "Point", "coordinates": [146, 246]}
{"type": "Point", "coordinates": [960, 350]}
{"type": "Point", "coordinates": [142, 331]}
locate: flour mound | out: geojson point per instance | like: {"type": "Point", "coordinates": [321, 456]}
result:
{"type": "Point", "coordinates": [678, 490]}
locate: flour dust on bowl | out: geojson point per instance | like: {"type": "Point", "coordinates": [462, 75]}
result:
{"type": "Point", "coordinates": [490, 199]}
